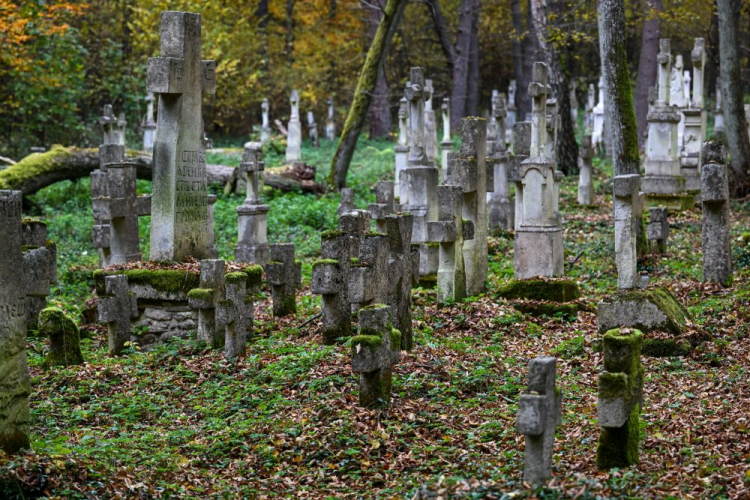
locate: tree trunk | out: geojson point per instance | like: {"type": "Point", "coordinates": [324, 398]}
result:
{"type": "Point", "coordinates": [460, 90]}
{"type": "Point", "coordinates": [735, 122]}
{"type": "Point", "coordinates": [289, 43]}
{"type": "Point", "coordinates": [380, 111]}
{"type": "Point", "coordinates": [363, 95]}
{"type": "Point", "coordinates": [442, 32]}
{"type": "Point", "coordinates": [472, 87]}
{"type": "Point", "coordinates": [567, 147]}
{"type": "Point", "coordinates": [518, 59]}
{"type": "Point", "coordinates": [530, 55]}
{"type": "Point", "coordinates": [647, 63]}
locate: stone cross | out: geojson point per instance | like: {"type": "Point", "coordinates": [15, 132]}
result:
{"type": "Point", "coordinates": [470, 172]}
{"type": "Point", "coordinates": [446, 144]}
{"type": "Point", "coordinates": [294, 131]}
{"type": "Point", "coordinates": [401, 148]}
{"type": "Point", "coordinates": [312, 129]}
{"type": "Point", "coordinates": [449, 231]}
{"type": "Point", "coordinates": [719, 111]}
{"type": "Point", "coordinates": [368, 275]}
{"type": "Point", "coordinates": [626, 190]}
{"type": "Point", "coordinates": [149, 125]}
{"type": "Point", "coordinates": [374, 352]}
{"type": "Point", "coordinates": [717, 254]}
{"type": "Point", "coordinates": [698, 56]}
{"type": "Point", "coordinates": [120, 130]}
{"type": "Point", "coordinates": [206, 300]}
{"type": "Point", "coordinates": [16, 384]}
{"type": "Point", "coordinates": [694, 123]}
{"type": "Point", "coordinates": [500, 204]}
{"type": "Point", "coordinates": [347, 201]}
{"type": "Point", "coordinates": [416, 94]}
{"type": "Point", "coordinates": [233, 314]}
{"type": "Point", "coordinates": [109, 125]}
{"type": "Point", "coordinates": [252, 241]}
{"type": "Point", "coordinates": [676, 84]}
{"type": "Point", "coordinates": [179, 220]}
{"type": "Point", "coordinates": [403, 271]}
{"type": "Point", "coordinates": [40, 267]}
{"type": "Point", "coordinates": [538, 91]}
{"type": "Point", "coordinates": [510, 119]}
{"type": "Point", "coordinates": [117, 308]}
{"type": "Point", "coordinates": [265, 127]}
{"type": "Point", "coordinates": [657, 230]}
{"type": "Point", "coordinates": [330, 121]}
{"type": "Point", "coordinates": [521, 140]}
{"type": "Point", "coordinates": [539, 411]}
{"type": "Point", "coordinates": [330, 278]}
{"type": "Point", "coordinates": [585, 182]}
{"type": "Point", "coordinates": [620, 399]}
{"type": "Point", "coordinates": [122, 206]}
{"type": "Point", "coordinates": [430, 124]}
{"type": "Point", "coordinates": [664, 58]}
{"type": "Point", "coordinates": [384, 205]}
{"type": "Point", "coordinates": [284, 274]}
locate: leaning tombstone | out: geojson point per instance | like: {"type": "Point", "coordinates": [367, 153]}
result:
{"type": "Point", "coordinates": [294, 131]}
{"type": "Point", "coordinates": [16, 385]}
{"type": "Point", "coordinates": [657, 229]}
{"type": "Point", "coordinates": [252, 240]}
{"type": "Point", "coordinates": [374, 352]}
{"type": "Point", "coordinates": [717, 254]}
{"type": "Point", "coordinates": [620, 399]}
{"type": "Point", "coordinates": [179, 219]}
{"type": "Point", "coordinates": [64, 338]}
{"type": "Point", "coordinates": [116, 308]}
{"type": "Point", "coordinates": [284, 274]}
{"type": "Point", "coordinates": [40, 267]}
{"type": "Point", "coordinates": [539, 411]}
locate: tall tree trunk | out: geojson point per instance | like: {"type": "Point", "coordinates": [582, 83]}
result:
{"type": "Point", "coordinates": [472, 96]}
{"type": "Point", "coordinates": [531, 53]}
{"type": "Point", "coordinates": [567, 147]}
{"type": "Point", "coordinates": [735, 122]}
{"type": "Point", "coordinates": [442, 31]}
{"type": "Point", "coordinates": [355, 120]}
{"type": "Point", "coordinates": [647, 63]}
{"type": "Point", "coordinates": [289, 31]}
{"type": "Point", "coordinates": [712, 53]}
{"type": "Point", "coordinates": [380, 111]}
{"type": "Point", "coordinates": [459, 91]}
{"type": "Point", "coordinates": [518, 58]}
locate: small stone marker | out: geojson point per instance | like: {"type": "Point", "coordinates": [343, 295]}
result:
{"type": "Point", "coordinates": [403, 268]}
{"type": "Point", "coordinates": [252, 241]}
{"type": "Point", "coordinates": [265, 128]}
{"type": "Point", "coordinates": [64, 338]}
{"type": "Point", "coordinates": [368, 274]}
{"type": "Point", "coordinates": [590, 103]}
{"type": "Point", "coordinates": [330, 278]}
{"type": "Point", "coordinates": [717, 254]}
{"type": "Point", "coordinates": [384, 205]}
{"type": "Point", "coordinates": [148, 126]}
{"type": "Point", "coordinates": [347, 201]}
{"type": "Point", "coordinates": [539, 411]}
{"type": "Point", "coordinates": [233, 313]}
{"type": "Point", "coordinates": [374, 352]}
{"type": "Point", "coordinates": [620, 399]}
{"type": "Point", "coordinates": [312, 129]}
{"type": "Point", "coordinates": [446, 144]}
{"type": "Point", "coordinates": [510, 119]}
{"type": "Point", "coordinates": [179, 220]}
{"type": "Point", "coordinates": [626, 190]}
{"type": "Point", "coordinates": [16, 385]}
{"type": "Point", "coordinates": [294, 131]}
{"type": "Point", "coordinates": [585, 182]}
{"type": "Point", "coordinates": [284, 274]}
{"type": "Point", "coordinates": [206, 300]}
{"type": "Point", "coordinates": [121, 207]}
{"type": "Point", "coordinates": [401, 148]}
{"type": "Point", "coordinates": [40, 267]}
{"type": "Point", "coordinates": [430, 124]}
{"type": "Point", "coordinates": [330, 121]}
{"type": "Point", "coordinates": [657, 230]}
{"type": "Point", "coordinates": [597, 136]}
{"type": "Point", "coordinates": [116, 309]}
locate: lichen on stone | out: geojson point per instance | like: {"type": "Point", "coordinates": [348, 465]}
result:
{"type": "Point", "coordinates": [366, 339]}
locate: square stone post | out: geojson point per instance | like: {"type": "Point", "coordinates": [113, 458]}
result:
{"type": "Point", "coordinates": [511, 118]}
{"type": "Point", "coordinates": [179, 219]}
{"type": "Point", "coordinates": [233, 314]}
{"type": "Point", "coordinates": [401, 148]}
{"type": "Point", "coordinates": [347, 201]}
{"type": "Point", "coordinates": [499, 203]}
{"type": "Point", "coordinates": [330, 121]}
{"type": "Point", "coordinates": [374, 352]}
{"type": "Point", "coordinates": [284, 274]}
{"type": "Point", "coordinates": [117, 308]}
{"type": "Point", "coordinates": [717, 254]}
{"type": "Point", "coordinates": [330, 278]}
{"type": "Point", "coordinates": [620, 399]}
{"type": "Point", "coordinates": [719, 111]}
{"type": "Point", "coordinates": [585, 182]}
{"type": "Point", "coordinates": [312, 129]}
{"type": "Point", "coordinates": [597, 134]}
{"type": "Point", "coordinates": [252, 241]}
{"type": "Point", "coordinates": [657, 230]}
{"type": "Point", "coordinates": [521, 148]}
{"type": "Point", "coordinates": [539, 411]}
{"type": "Point", "coordinates": [15, 384]}
{"type": "Point", "coordinates": [626, 190]}
{"type": "Point", "coordinates": [430, 124]}
{"type": "Point", "coordinates": [149, 125]}
{"type": "Point", "coordinates": [265, 127]}
{"type": "Point", "coordinates": [39, 266]}
{"type": "Point", "coordinates": [589, 119]}
{"type": "Point", "coordinates": [368, 274]}
{"type": "Point", "coordinates": [384, 205]}
{"type": "Point", "coordinates": [211, 204]}
{"type": "Point", "coordinates": [206, 300]}
{"type": "Point", "coordinates": [403, 270]}
{"type": "Point", "coordinates": [446, 144]}
{"type": "Point", "coordinates": [294, 131]}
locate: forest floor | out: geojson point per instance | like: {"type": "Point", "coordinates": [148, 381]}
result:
{"type": "Point", "coordinates": [180, 421]}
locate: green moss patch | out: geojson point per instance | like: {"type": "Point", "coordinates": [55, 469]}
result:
{"type": "Point", "coordinates": [665, 348]}
{"type": "Point", "coordinates": [235, 278]}
{"type": "Point", "coordinates": [371, 341]}
{"type": "Point", "coordinates": [64, 336]}
{"type": "Point", "coordinates": [429, 281]}
{"type": "Point", "coordinates": [329, 235]}
{"type": "Point", "coordinates": [33, 166]}
{"type": "Point", "coordinates": [254, 275]}
{"type": "Point", "coordinates": [566, 310]}
{"type": "Point", "coordinates": [662, 299]}
{"type": "Point", "coordinates": [163, 280]}
{"type": "Point", "coordinates": [201, 294]}
{"type": "Point", "coordinates": [561, 290]}
{"type": "Point", "coordinates": [321, 262]}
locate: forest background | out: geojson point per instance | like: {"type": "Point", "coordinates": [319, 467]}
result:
{"type": "Point", "coordinates": [60, 62]}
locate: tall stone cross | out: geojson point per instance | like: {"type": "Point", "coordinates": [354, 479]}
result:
{"type": "Point", "coordinates": [384, 205]}
{"type": "Point", "coordinates": [698, 56]}
{"type": "Point", "coordinates": [664, 58]}
{"type": "Point", "coordinates": [294, 130]}
{"type": "Point", "coordinates": [149, 124]}
{"type": "Point", "coordinates": [252, 240]}
{"type": "Point", "coordinates": [538, 91]}
{"type": "Point", "coordinates": [403, 268]}
{"type": "Point", "coordinates": [15, 385]}
{"type": "Point", "coordinates": [179, 221]}
{"type": "Point", "coordinates": [539, 411]}
{"type": "Point", "coordinates": [109, 125]}
{"type": "Point", "coordinates": [401, 148]}
{"type": "Point", "coordinates": [285, 277]}
{"type": "Point", "coordinates": [416, 94]}
{"type": "Point", "coordinates": [717, 254]}
{"type": "Point", "coordinates": [368, 276]}
{"type": "Point", "coordinates": [330, 278]}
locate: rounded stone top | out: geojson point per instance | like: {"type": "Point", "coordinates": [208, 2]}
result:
{"type": "Point", "coordinates": [714, 152]}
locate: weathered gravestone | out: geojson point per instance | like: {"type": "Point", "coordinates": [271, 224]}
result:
{"type": "Point", "coordinates": [284, 274]}
{"type": "Point", "coordinates": [179, 219]}
{"type": "Point", "coordinates": [717, 254]}
{"type": "Point", "coordinates": [597, 135]}
{"type": "Point", "coordinates": [589, 118]}
{"type": "Point", "coordinates": [330, 278]}
{"type": "Point", "coordinates": [347, 201]}
{"type": "Point", "coordinates": [620, 399]}
{"type": "Point", "coordinates": [430, 124]}
{"type": "Point", "coordinates": [120, 130]}
{"type": "Point", "coordinates": [677, 97]}
{"type": "Point", "coordinates": [15, 384]}
{"type": "Point", "coordinates": [627, 204]}
{"type": "Point", "coordinates": [585, 181]}
{"type": "Point", "coordinates": [511, 118]}
{"type": "Point", "coordinates": [252, 240]}
{"type": "Point", "coordinates": [521, 140]}
{"type": "Point", "coordinates": [265, 127]}
{"type": "Point", "coordinates": [401, 149]}
{"type": "Point", "coordinates": [206, 301]}
{"type": "Point", "coordinates": [552, 123]}
{"type": "Point", "coordinates": [368, 275]}
{"type": "Point", "coordinates": [148, 126]}
{"type": "Point", "coordinates": [122, 206]}
{"type": "Point", "coordinates": [446, 144]}
{"type": "Point", "coordinates": [657, 229]}
{"type": "Point", "coordinates": [384, 205]}
{"type": "Point", "coordinates": [312, 129]}
{"type": "Point", "coordinates": [374, 352]}
{"type": "Point", "coordinates": [294, 131]}
{"type": "Point", "coordinates": [539, 411]}
{"type": "Point", "coordinates": [499, 203]}
{"type": "Point", "coordinates": [695, 123]}
{"type": "Point", "coordinates": [403, 272]}
{"type": "Point", "coordinates": [574, 104]}
{"type": "Point", "coordinates": [64, 338]}
{"type": "Point", "coordinates": [330, 121]}
{"type": "Point", "coordinates": [40, 267]}
{"type": "Point", "coordinates": [211, 204]}
{"type": "Point", "coordinates": [116, 308]}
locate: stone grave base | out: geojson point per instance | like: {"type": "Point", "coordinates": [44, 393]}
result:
{"type": "Point", "coordinates": [429, 262]}
{"type": "Point", "coordinates": [674, 202]}
{"type": "Point", "coordinates": [655, 312]}
{"type": "Point", "coordinates": [544, 297]}
{"type": "Point", "coordinates": [538, 252]}
{"type": "Point", "coordinates": [163, 310]}
{"type": "Point", "coordinates": [662, 184]}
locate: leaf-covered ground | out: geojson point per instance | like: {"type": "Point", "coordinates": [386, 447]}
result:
{"type": "Point", "coordinates": [180, 421]}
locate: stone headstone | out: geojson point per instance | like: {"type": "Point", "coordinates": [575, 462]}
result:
{"type": "Point", "coordinates": [347, 201]}
{"type": "Point", "coordinates": [677, 95]}
{"type": "Point", "coordinates": [265, 126]}
{"type": "Point", "coordinates": [368, 275]}
{"type": "Point", "coordinates": [330, 121]}
{"type": "Point", "coordinates": [120, 129]}
{"type": "Point", "coordinates": [657, 230]}
{"type": "Point", "coordinates": [553, 124]}
{"type": "Point", "coordinates": [511, 117]}
{"type": "Point", "coordinates": [597, 134]}
{"type": "Point", "coordinates": [521, 140]}
{"type": "Point", "coordinates": [149, 125]}
{"type": "Point", "coordinates": [539, 412]}
{"type": "Point", "coordinates": [252, 240]}
{"type": "Point", "coordinates": [234, 314]}
{"type": "Point", "coordinates": [585, 181]}
{"type": "Point", "coordinates": [384, 205]}
{"type": "Point", "coordinates": [330, 278]}
{"type": "Point", "coordinates": [294, 131]}
{"type": "Point", "coordinates": [620, 399]}
{"type": "Point", "coordinates": [179, 218]}
{"type": "Point", "coordinates": [401, 148]}
{"type": "Point", "coordinates": [16, 385]}
{"type": "Point", "coordinates": [403, 271]}
{"type": "Point", "coordinates": [312, 129]}
{"type": "Point", "coordinates": [717, 254]}
{"type": "Point", "coordinates": [116, 308]}
{"type": "Point", "coordinates": [626, 195]}
{"type": "Point", "coordinates": [40, 267]}
{"type": "Point", "coordinates": [374, 352]}
{"type": "Point", "coordinates": [446, 144]}
{"type": "Point", "coordinates": [499, 203]}
{"type": "Point", "coordinates": [284, 274]}
{"type": "Point", "coordinates": [64, 338]}
{"type": "Point", "coordinates": [206, 301]}
{"type": "Point", "coordinates": [695, 124]}
{"type": "Point", "coordinates": [430, 124]}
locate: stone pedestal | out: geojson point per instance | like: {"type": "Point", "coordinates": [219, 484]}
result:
{"type": "Point", "coordinates": [717, 253]}
{"type": "Point", "coordinates": [585, 181]}
{"type": "Point", "coordinates": [691, 154]}
{"type": "Point", "coordinates": [294, 131]}
{"type": "Point", "coordinates": [252, 241]}
{"type": "Point", "coordinates": [39, 266]}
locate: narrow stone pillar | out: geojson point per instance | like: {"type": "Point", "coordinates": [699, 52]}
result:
{"type": "Point", "coordinates": [265, 127]}
{"type": "Point", "coordinates": [347, 201]}
{"type": "Point", "coordinates": [330, 278]}
{"type": "Point", "coordinates": [149, 125]}
{"type": "Point", "coordinates": [252, 241]}
{"type": "Point", "coordinates": [499, 203]}
{"type": "Point", "coordinates": [430, 125]}
{"type": "Point", "coordinates": [401, 148]}
{"type": "Point", "coordinates": [695, 124]}
{"type": "Point", "coordinates": [403, 268]}
{"type": "Point", "coordinates": [312, 129]}
{"type": "Point", "coordinates": [717, 254]}
{"type": "Point", "coordinates": [657, 229]}
{"type": "Point", "coordinates": [511, 118]}
{"type": "Point", "coordinates": [330, 121]}
{"type": "Point", "coordinates": [39, 266]}
{"type": "Point", "coordinates": [446, 144]}
{"type": "Point", "coordinates": [294, 131]}
{"type": "Point", "coordinates": [206, 300]}
{"type": "Point", "coordinates": [626, 192]}
{"type": "Point", "coordinates": [585, 181]}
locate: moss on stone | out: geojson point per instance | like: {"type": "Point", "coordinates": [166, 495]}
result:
{"type": "Point", "coordinates": [622, 350]}
{"type": "Point", "coordinates": [374, 233]}
{"type": "Point", "coordinates": [235, 278]}
{"type": "Point", "coordinates": [568, 310]}
{"type": "Point", "coordinates": [367, 339]}
{"type": "Point", "coordinates": [226, 303]}
{"type": "Point", "coordinates": [328, 235]}
{"type": "Point", "coordinates": [429, 281]}
{"type": "Point", "coordinates": [664, 348]}
{"type": "Point", "coordinates": [354, 261]}
{"type": "Point", "coordinates": [65, 338]}
{"type": "Point", "coordinates": [432, 244]}
{"type": "Point", "coordinates": [667, 303]}
{"type": "Point", "coordinates": [321, 262]}
{"type": "Point", "coordinates": [33, 166]}
{"type": "Point", "coordinates": [26, 248]}
{"type": "Point", "coordinates": [395, 339]}
{"type": "Point", "coordinates": [254, 275]}
{"type": "Point", "coordinates": [285, 307]}
{"type": "Point", "coordinates": [375, 307]}
{"type": "Point", "coordinates": [163, 280]}
{"type": "Point", "coordinates": [613, 385]}
{"type": "Point", "coordinates": [201, 294]}
{"type": "Point", "coordinates": [561, 290]}
{"type": "Point", "coordinates": [618, 447]}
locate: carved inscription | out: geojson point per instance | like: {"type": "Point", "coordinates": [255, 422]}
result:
{"type": "Point", "coordinates": [191, 203]}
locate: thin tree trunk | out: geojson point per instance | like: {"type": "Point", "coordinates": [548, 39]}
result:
{"type": "Point", "coordinates": [647, 63]}
{"type": "Point", "coordinates": [380, 111]}
{"type": "Point", "coordinates": [518, 57]}
{"type": "Point", "coordinates": [530, 55]}
{"type": "Point", "coordinates": [735, 123]}
{"type": "Point", "coordinates": [289, 31]}
{"type": "Point", "coordinates": [472, 87]}
{"type": "Point", "coordinates": [459, 90]}
{"type": "Point", "coordinates": [442, 32]}
{"type": "Point", "coordinates": [363, 95]}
